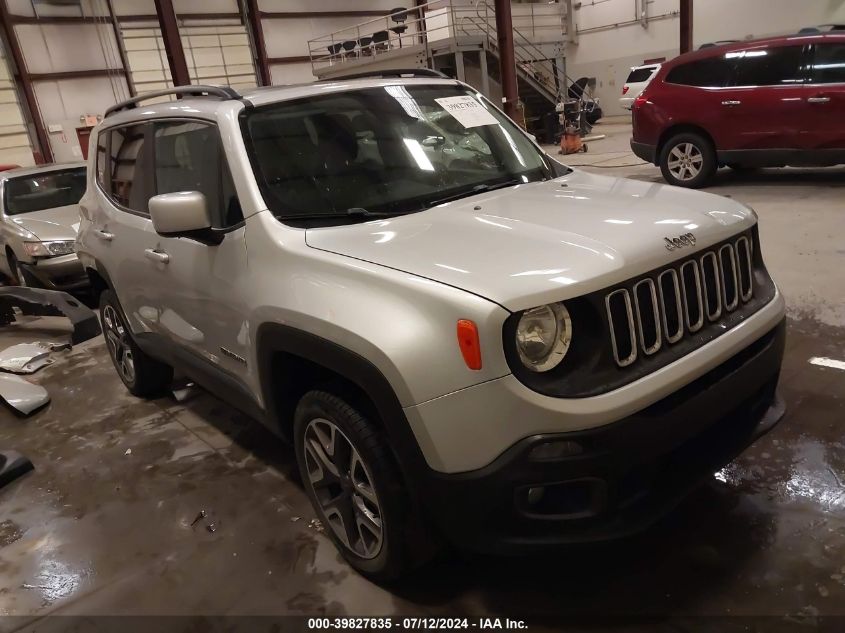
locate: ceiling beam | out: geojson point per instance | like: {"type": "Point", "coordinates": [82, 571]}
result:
{"type": "Point", "coordinates": [77, 74]}
{"type": "Point", "coordinates": [278, 15]}
{"type": "Point", "coordinates": [294, 59]}
{"type": "Point", "coordinates": [45, 152]}
{"type": "Point", "coordinates": [89, 19]}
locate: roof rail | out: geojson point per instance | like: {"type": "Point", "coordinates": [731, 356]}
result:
{"type": "Point", "coordinates": [222, 92]}
{"type": "Point", "coordinates": [394, 72]}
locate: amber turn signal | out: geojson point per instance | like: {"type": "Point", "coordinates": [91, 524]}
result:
{"type": "Point", "coordinates": [468, 342]}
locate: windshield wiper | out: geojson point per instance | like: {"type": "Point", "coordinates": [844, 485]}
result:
{"type": "Point", "coordinates": [476, 189]}
{"type": "Point", "coordinates": [354, 212]}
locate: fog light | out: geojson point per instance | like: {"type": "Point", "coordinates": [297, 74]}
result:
{"type": "Point", "coordinates": [535, 495]}
{"type": "Point", "coordinates": [549, 451]}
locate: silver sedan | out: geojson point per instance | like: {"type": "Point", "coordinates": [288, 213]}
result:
{"type": "Point", "coordinates": [39, 218]}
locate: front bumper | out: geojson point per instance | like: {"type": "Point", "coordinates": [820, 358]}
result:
{"type": "Point", "coordinates": [628, 474]}
{"type": "Point", "coordinates": [64, 272]}
{"type": "Point", "coordinates": [644, 151]}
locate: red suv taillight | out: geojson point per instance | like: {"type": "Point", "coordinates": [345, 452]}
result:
{"type": "Point", "coordinates": [639, 101]}
{"type": "Point", "coordinates": [624, 90]}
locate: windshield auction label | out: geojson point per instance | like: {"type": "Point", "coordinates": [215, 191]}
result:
{"type": "Point", "coordinates": [467, 110]}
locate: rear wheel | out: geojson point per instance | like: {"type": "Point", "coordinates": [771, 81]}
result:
{"type": "Point", "coordinates": [143, 375]}
{"type": "Point", "coordinates": [354, 485]}
{"type": "Point", "coordinates": [688, 160]}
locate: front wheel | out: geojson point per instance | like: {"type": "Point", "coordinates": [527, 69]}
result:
{"type": "Point", "coordinates": [688, 160]}
{"type": "Point", "coordinates": [143, 375]}
{"type": "Point", "coordinates": [348, 471]}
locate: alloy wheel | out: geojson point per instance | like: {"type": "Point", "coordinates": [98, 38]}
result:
{"type": "Point", "coordinates": [685, 161]}
{"type": "Point", "coordinates": [117, 340]}
{"type": "Point", "coordinates": [343, 487]}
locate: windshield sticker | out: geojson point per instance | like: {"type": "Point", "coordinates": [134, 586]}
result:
{"type": "Point", "coordinates": [467, 110]}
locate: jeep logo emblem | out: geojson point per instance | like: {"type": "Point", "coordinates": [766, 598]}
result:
{"type": "Point", "coordinates": [687, 239]}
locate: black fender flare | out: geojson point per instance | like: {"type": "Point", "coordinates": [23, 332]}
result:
{"type": "Point", "coordinates": [274, 338]}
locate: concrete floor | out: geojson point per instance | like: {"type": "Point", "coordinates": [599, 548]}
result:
{"type": "Point", "coordinates": [105, 524]}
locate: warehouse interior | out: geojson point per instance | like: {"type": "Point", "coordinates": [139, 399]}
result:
{"type": "Point", "coordinates": [184, 504]}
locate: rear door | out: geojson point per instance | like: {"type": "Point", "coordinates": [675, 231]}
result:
{"type": "Point", "coordinates": [825, 105]}
{"type": "Point", "coordinates": [120, 226]}
{"type": "Point", "coordinates": [763, 106]}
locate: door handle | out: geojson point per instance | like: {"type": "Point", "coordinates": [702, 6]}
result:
{"type": "Point", "coordinates": [104, 235]}
{"type": "Point", "coordinates": [818, 99]}
{"type": "Point", "coordinates": [731, 103]}
{"type": "Point", "coordinates": [157, 256]}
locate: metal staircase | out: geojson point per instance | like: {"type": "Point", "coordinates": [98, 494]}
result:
{"type": "Point", "coordinates": [451, 38]}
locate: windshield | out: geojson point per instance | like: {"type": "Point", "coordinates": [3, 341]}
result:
{"type": "Point", "coordinates": [387, 150]}
{"type": "Point", "coordinates": [46, 190]}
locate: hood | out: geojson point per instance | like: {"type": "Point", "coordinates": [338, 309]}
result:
{"type": "Point", "coordinates": [541, 242]}
{"type": "Point", "coordinates": [61, 223]}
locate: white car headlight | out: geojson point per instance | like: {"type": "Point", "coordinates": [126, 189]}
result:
{"type": "Point", "coordinates": [543, 335]}
{"type": "Point", "coordinates": [49, 249]}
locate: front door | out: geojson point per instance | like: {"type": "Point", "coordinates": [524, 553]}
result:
{"type": "Point", "coordinates": [198, 285]}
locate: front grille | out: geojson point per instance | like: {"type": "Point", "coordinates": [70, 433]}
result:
{"type": "Point", "coordinates": [637, 326]}
{"type": "Point", "coordinates": [679, 301]}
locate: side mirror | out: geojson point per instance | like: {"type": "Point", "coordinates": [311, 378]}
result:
{"type": "Point", "coordinates": [183, 213]}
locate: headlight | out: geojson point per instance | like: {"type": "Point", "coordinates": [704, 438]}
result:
{"type": "Point", "coordinates": [543, 335]}
{"type": "Point", "coordinates": [49, 249]}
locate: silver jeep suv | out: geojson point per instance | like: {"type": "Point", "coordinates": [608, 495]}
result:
{"type": "Point", "coordinates": [465, 341]}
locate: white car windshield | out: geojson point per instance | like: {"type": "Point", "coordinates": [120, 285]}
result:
{"type": "Point", "coordinates": [386, 150]}
{"type": "Point", "coordinates": [46, 190]}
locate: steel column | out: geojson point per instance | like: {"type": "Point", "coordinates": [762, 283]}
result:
{"type": "Point", "coordinates": [507, 63]}
{"type": "Point", "coordinates": [24, 81]}
{"type": "Point", "coordinates": [485, 76]}
{"type": "Point", "coordinates": [256, 35]}
{"type": "Point", "coordinates": [686, 26]}
{"type": "Point", "coordinates": [118, 38]}
{"type": "Point", "coordinates": [172, 43]}
{"type": "Point", "coordinates": [460, 73]}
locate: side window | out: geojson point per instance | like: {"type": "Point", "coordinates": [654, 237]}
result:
{"type": "Point", "coordinates": [127, 184]}
{"type": "Point", "coordinates": [828, 64]}
{"type": "Point", "coordinates": [712, 72]}
{"type": "Point", "coordinates": [767, 67]}
{"type": "Point", "coordinates": [189, 157]}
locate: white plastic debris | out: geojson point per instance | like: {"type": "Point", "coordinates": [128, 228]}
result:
{"type": "Point", "coordinates": [21, 394]}
{"type": "Point", "coordinates": [25, 358]}
{"type": "Point", "coordinates": [128, 451]}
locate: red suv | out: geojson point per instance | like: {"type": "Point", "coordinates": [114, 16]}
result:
{"type": "Point", "coordinates": [766, 103]}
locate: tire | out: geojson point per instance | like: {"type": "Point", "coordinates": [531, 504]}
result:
{"type": "Point", "coordinates": [143, 375]}
{"type": "Point", "coordinates": [393, 543]}
{"type": "Point", "coordinates": [700, 158]}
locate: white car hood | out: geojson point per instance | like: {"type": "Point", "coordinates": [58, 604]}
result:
{"type": "Point", "coordinates": [539, 242]}
{"type": "Point", "coordinates": [60, 223]}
